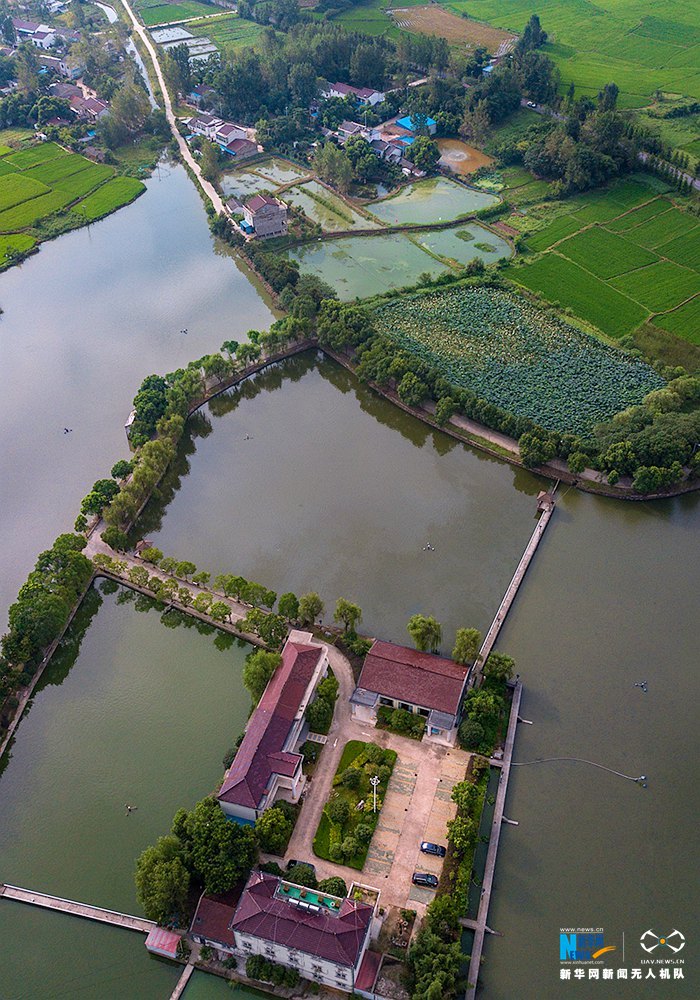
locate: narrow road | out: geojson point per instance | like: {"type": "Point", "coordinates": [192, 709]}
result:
{"type": "Point", "coordinates": [208, 188]}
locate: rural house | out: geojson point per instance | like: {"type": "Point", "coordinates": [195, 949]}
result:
{"type": "Point", "coordinates": [420, 683]}
{"type": "Point", "coordinates": [268, 764]}
{"type": "Point", "coordinates": [264, 216]}
{"type": "Point", "coordinates": [323, 937]}
{"type": "Point", "coordinates": [363, 95]}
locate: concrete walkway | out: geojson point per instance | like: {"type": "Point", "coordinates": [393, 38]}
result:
{"type": "Point", "coordinates": [98, 913]}
{"type": "Point", "coordinates": [208, 188]}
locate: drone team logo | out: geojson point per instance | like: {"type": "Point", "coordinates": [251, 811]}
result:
{"type": "Point", "coordinates": [651, 941]}
{"type": "Point", "coordinates": [584, 945]}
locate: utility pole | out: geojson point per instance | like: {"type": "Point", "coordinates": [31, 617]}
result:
{"type": "Point", "coordinates": [374, 782]}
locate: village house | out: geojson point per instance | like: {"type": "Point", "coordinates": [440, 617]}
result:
{"type": "Point", "coordinates": [202, 95]}
{"type": "Point", "coordinates": [323, 937]}
{"type": "Point", "coordinates": [421, 683]}
{"type": "Point", "coordinates": [417, 124]}
{"type": "Point", "coordinates": [40, 35]}
{"type": "Point", "coordinates": [363, 95]}
{"type": "Point", "coordinates": [63, 65]}
{"type": "Point", "coordinates": [268, 765]}
{"type": "Point", "coordinates": [90, 109]}
{"type": "Point", "coordinates": [227, 132]}
{"type": "Point", "coordinates": [264, 216]}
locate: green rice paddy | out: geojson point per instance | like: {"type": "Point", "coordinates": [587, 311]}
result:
{"type": "Point", "coordinates": [228, 31]}
{"type": "Point", "coordinates": [153, 12]}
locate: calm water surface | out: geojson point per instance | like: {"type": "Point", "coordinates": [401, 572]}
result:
{"type": "Point", "coordinates": [131, 711]}
{"type": "Point", "coordinates": [84, 321]}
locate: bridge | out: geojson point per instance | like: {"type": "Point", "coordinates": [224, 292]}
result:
{"type": "Point", "coordinates": [75, 909]}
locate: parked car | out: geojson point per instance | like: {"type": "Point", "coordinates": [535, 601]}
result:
{"type": "Point", "coordinates": [426, 879]}
{"type": "Point", "coordinates": [434, 849]}
{"type": "Point", "coordinates": [532, 104]}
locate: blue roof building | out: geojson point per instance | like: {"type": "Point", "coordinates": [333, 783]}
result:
{"type": "Point", "coordinates": [407, 123]}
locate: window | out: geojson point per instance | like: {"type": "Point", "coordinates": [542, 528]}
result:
{"type": "Point", "coordinates": [247, 945]}
{"type": "Point", "coordinates": [405, 706]}
{"type": "Point", "coordinates": [425, 712]}
{"type": "Point", "coordinates": [387, 701]}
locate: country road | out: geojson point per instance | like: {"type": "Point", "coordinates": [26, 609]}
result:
{"type": "Point", "coordinates": [185, 151]}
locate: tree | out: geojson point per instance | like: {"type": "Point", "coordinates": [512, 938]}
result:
{"type": "Point", "coordinates": [138, 575]}
{"type": "Point", "coordinates": [319, 715]}
{"type": "Point", "coordinates": [426, 633]}
{"type": "Point", "coordinates": [471, 734]}
{"type": "Point", "coordinates": [116, 539]}
{"type": "Point", "coordinates": [424, 153]}
{"type": "Point", "coordinates": [273, 830]}
{"type": "Point", "coordinates": [162, 881]}
{"type": "Point", "coordinates": [607, 97]}
{"type": "Point", "coordinates": [334, 886]}
{"type": "Point", "coordinates": [461, 833]}
{"type": "Point", "coordinates": [122, 469]}
{"type": "Point", "coordinates": [338, 810]}
{"type": "Point", "coordinates": [202, 603]}
{"type": "Point", "coordinates": [445, 408]}
{"type": "Point", "coordinates": [347, 613]}
{"type": "Point", "coordinates": [333, 166]}
{"type": "Point", "coordinates": [500, 666]}
{"type": "Point", "coordinates": [151, 555]}
{"type": "Point", "coordinates": [219, 611]}
{"type": "Point", "coordinates": [303, 83]}
{"type": "Point", "coordinates": [257, 671]}
{"type": "Point", "coordinates": [301, 874]}
{"type": "Point", "coordinates": [351, 777]}
{"type": "Point", "coordinates": [412, 391]}
{"type": "Point", "coordinates": [26, 65]}
{"type": "Point", "coordinates": [467, 643]}
{"type": "Point", "coordinates": [201, 579]}
{"type": "Point", "coordinates": [310, 608]}
{"type": "Point", "coordinates": [230, 347]}
{"type": "Point", "coordinates": [350, 847]}
{"type": "Point", "coordinates": [185, 569]}
{"type": "Point", "coordinates": [288, 606]}
{"type": "Point", "coordinates": [221, 853]}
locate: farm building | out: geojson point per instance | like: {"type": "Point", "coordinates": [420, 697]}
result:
{"type": "Point", "coordinates": [323, 937]}
{"type": "Point", "coordinates": [264, 216]}
{"type": "Point", "coordinates": [268, 764]}
{"type": "Point", "coordinates": [421, 683]}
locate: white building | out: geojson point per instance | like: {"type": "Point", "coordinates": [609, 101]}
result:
{"type": "Point", "coordinates": [323, 937]}
{"type": "Point", "coordinates": [421, 683]}
{"type": "Point", "coordinates": [268, 765]}
{"type": "Point", "coordinates": [364, 95]}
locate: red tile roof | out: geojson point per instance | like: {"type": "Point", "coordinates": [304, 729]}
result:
{"type": "Point", "coordinates": [213, 917]}
{"type": "Point", "coordinates": [337, 937]}
{"type": "Point", "coordinates": [259, 201]}
{"type": "Point", "coordinates": [368, 970]}
{"type": "Point", "coordinates": [262, 753]}
{"type": "Point", "coordinates": [416, 678]}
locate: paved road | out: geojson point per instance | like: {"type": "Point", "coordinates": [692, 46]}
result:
{"type": "Point", "coordinates": [185, 151]}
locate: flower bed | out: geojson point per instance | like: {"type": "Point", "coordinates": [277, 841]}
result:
{"type": "Point", "coordinates": [348, 820]}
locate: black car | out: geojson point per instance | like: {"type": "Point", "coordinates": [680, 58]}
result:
{"type": "Point", "coordinates": [426, 879]}
{"type": "Point", "coordinates": [434, 849]}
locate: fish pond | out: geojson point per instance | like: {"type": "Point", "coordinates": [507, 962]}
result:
{"type": "Point", "coordinates": [436, 199]}
{"type": "Point", "coordinates": [327, 209]}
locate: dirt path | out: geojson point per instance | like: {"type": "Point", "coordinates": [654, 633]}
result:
{"type": "Point", "coordinates": [209, 189]}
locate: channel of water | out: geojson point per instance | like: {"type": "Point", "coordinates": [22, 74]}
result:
{"type": "Point", "coordinates": [334, 489]}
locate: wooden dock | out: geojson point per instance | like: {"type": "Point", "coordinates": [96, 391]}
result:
{"type": "Point", "coordinates": [182, 981]}
{"type": "Point", "coordinates": [479, 926]}
{"type": "Point", "coordinates": [513, 587]}
{"type": "Point", "coordinates": [75, 909]}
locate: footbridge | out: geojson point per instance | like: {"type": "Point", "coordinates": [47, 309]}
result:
{"type": "Point", "coordinates": [85, 910]}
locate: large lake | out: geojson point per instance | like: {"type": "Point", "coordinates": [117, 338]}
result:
{"type": "Point", "coordinates": [333, 489]}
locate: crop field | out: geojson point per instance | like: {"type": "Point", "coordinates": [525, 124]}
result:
{"type": "Point", "coordinates": [616, 40]}
{"type": "Point", "coordinates": [560, 280]}
{"type": "Point", "coordinates": [565, 225]}
{"type": "Point", "coordinates": [684, 321]}
{"type": "Point", "coordinates": [111, 196]}
{"type": "Point", "coordinates": [517, 356]}
{"type": "Point", "coordinates": [605, 254]}
{"type": "Point", "coordinates": [435, 20]}
{"type": "Point", "coordinates": [660, 286]}
{"type": "Point", "coordinates": [15, 188]}
{"type": "Point", "coordinates": [661, 229]}
{"type": "Point", "coordinates": [227, 32]}
{"type": "Point", "coordinates": [151, 12]}
{"type": "Point", "coordinates": [41, 180]}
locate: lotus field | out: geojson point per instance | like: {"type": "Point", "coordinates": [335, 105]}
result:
{"type": "Point", "coordinates": [517, 356]}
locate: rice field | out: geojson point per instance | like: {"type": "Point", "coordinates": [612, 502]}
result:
{"type": "Point", "coordinates": [684, 321]}
{"type": "Point", "coordinates": [152, 12]}
{"type": "Point", "coordinates": [109, 197]}
{"type": "Point", "coordinates": [39, 181]}
{"type": "Point", "coordinates": [463, 32]}
{"type": "Point", "coordinates": [517, 356]}
{"type": "Point", "coordinates": [641, 47]}
{"type": "Point", "coordinates": [660, 286]}
{"type": "Point", "coordinates": [605, 254]}
{"type": "Point", "coordinates": [228, 31]}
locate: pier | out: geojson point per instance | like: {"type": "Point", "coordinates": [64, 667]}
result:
{"type": "Point", "coordinates": [479, 925]}
{"type": "Point", "coordinates": [75, 909]}
{"type": "Point", "coordinates": [546, 504]}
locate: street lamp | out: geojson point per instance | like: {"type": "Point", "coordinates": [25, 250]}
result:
{"type": "Point", "coordinates": [374, 782]}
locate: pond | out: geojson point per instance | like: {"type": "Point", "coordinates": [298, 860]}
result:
{"type": "Point", "coordinates": [129, 711]}
{"type": "Point", "coordinates": [461, 158]}
{"type": "Point", "coordinates": [295, 481]}
{"type": "Point", "coordinates": [436, 199]}
{"type": "Point", "coordinates": [465, 243]}
{"type": "Point", "coordinates": [243, 184]}
{"type": "Point", "coordinates": [331, 212]}
{"type": "Point", "coordinates": [360, 266]}
{"type": "Point", "coordinates": [280, 171]}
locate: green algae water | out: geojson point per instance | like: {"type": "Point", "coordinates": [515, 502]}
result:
{"type": "Point", "coordinates": [135, 709]}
